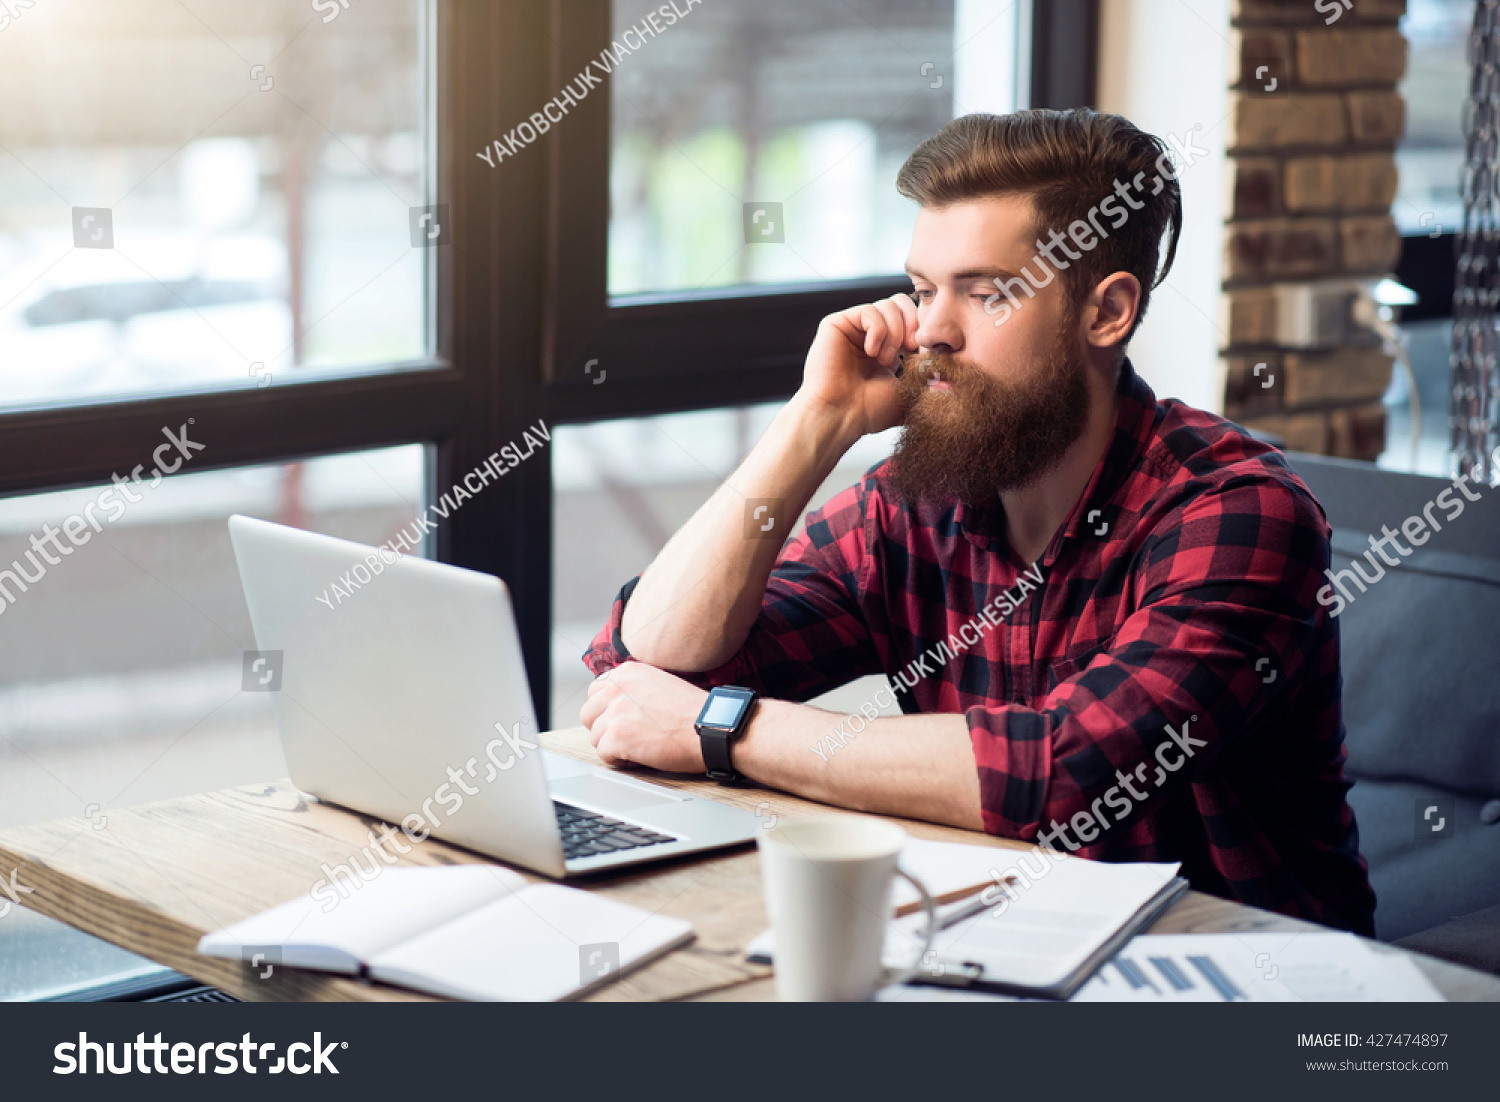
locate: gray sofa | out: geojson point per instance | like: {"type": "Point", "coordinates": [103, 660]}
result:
{"type": "Point", "coordinates": [1421, 673]}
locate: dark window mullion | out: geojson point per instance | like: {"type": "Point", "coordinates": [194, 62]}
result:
{"type": "Point", "coordinates": [768, 382]}
{"type": "Point", "coordinates": [1064, 53]}
{"type": "Point", "coordinates": [726, 336]}
{"type": "Point", "coordinates": [494, 71]}
{"type": "Point", "coordinates": [59, 447]}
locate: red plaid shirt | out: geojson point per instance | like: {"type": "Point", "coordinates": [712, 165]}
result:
{"type": "Point", "coordinates": [1169, 691]}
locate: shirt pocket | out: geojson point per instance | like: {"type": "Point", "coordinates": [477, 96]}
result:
{"type": "Point", "coordinates": [1063, 668]}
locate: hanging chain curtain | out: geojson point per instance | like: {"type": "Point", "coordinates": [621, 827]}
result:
{"type": "Point", "coordinates": [1476, 293]}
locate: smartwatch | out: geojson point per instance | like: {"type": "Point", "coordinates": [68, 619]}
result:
{"type": "Point", "coordinates": [722, 720]}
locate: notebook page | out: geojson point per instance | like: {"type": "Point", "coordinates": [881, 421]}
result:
{"type": "Point", "coordinates": [398, 904]}
{"type": "Point", "coordinates": [547, 942]}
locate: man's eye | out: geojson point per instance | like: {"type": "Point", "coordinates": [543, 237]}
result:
{"type": "Point", "coordinates": [920, 295]}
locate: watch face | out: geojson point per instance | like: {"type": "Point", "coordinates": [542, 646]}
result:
{"type": "Point", "coordinates": [724, 708]}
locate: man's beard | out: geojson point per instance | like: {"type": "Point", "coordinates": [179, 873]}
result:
{"type": "Point", "coordinates": [986, 435]}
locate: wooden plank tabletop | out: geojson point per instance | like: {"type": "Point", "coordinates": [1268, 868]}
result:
{"type": "Point", "coordinates": [159, 876]}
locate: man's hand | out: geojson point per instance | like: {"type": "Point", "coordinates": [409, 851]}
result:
{"type": "Point", "coordinates": [851, 363]}
{"type": "Point", "coordinates": [639, 714]}
{"type": "Point", "coordinates": [696, 604]}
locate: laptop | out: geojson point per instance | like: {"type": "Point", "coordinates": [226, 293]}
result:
{"type": "Point", "coordinates": [402, 694]}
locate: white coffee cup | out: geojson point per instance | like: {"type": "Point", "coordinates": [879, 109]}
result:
{"type": "Point", "coordinates": [828, 894]}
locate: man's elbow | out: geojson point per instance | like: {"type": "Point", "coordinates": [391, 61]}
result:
{"type": "Point", "coordinates": [675, 650]}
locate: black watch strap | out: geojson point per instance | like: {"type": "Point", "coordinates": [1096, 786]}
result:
{"type": "Point", "coordinates": [716, 755]}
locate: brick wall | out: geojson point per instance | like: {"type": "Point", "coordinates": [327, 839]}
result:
{"type": "Point", "coordinates": [1310, 175]}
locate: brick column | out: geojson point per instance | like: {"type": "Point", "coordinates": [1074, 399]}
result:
{"type": "Point", "coordinates": [1311, 174]}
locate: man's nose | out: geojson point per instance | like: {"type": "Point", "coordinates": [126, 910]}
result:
{"type": "Point", "coordinates": [938, 328]}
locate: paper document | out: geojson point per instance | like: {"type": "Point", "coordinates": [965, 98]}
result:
{"type": "Point", "coordinates": [1259, 967]}
{"type": "Point", "coordinates": [949, 870]}
{"type": "Point", "coordinates": [1036, 937]}
{"type": "Point", "coordinates": [1251, 967]}
{"type": "Point", "coordinates": [1040, 925]}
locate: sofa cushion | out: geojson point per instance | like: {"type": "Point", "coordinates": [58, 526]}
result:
{"type": "Point", "coordinates": [1473, 941]}
{"type": "Point", "coordinates": [1421, 696]}
{"type": "Point", "coordinates": [1421, 879]}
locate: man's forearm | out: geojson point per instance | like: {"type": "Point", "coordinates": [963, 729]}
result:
{"type": "Point", "coordinates": [698, 599]}
{"type": "Point", "coordinates": [920, 767]}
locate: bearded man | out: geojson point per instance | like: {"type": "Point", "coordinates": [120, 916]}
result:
{"type": "Point", "coordinates": [1097, 609]}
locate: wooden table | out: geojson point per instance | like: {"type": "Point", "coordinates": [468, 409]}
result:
{"type": "Point", "coordinates": [159, 876]}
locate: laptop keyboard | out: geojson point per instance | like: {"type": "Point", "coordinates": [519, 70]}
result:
{"type": "Point", "coordinates": [588, 833]}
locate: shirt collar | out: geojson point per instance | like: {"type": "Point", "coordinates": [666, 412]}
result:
{"type": "Point", "coordinates": [1135, 418]}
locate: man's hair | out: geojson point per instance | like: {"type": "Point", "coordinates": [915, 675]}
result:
{"type": "Point", "coordinates": [1068, 162]}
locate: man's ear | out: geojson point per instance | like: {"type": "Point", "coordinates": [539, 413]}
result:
{"type": "Point", "coordinates": [1113, 307]}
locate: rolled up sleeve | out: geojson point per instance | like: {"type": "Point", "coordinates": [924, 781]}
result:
{"type": "Point", "coordinates": [1226, 621]}
{"type": "Point", "coordinates": [811, 634]}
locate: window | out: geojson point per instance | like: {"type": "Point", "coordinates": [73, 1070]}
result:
{"type": "Point", "coordinates": [205, 194]}
{"type": "Point", "coordinates": [668, 264]}
{"type": "Point", "coordinates": [122, 682]}
{"type": "Point", "coordinates": [253, 225]}
{"type": "Point", "coordinates": [781, 125]}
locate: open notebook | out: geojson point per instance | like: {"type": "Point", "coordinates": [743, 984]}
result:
{"type": "Point", "coordinates": [466, 931]}
{"type": "Point", "coordinates": [1043, 936]}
